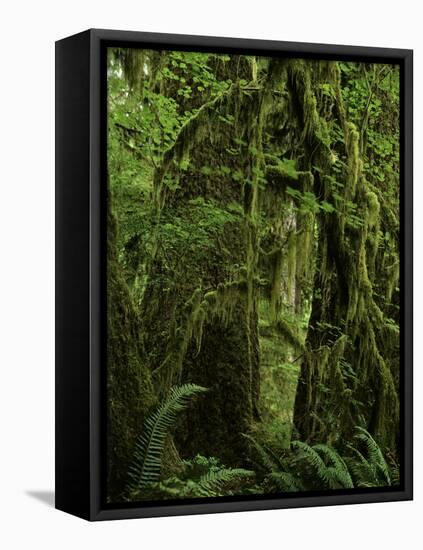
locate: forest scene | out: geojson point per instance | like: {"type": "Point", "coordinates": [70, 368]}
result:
{"type": "Point", "coordinates": [253, 299]}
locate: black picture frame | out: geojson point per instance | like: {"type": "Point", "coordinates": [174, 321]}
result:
{"type": "Point", "coordinates": [80, 270]}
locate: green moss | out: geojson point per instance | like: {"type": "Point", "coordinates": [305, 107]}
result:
{"type": "Point", "coordinates": [276, 273]}
{"type": "Point", "coordinates": [393, 273]}
{"type": "Point", "coordinates": [130, 391]}
{"type": "Point", "coordinates": [210, 282]}
{"type": "Point", "coordinates": [339, 370]}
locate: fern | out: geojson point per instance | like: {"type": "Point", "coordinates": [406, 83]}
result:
{"type": "Point", "coordinates": [361, 469]}
{"type": "Point", "coordinates": [201, 477]}
{"type": "Point", "coordinates": [268, 461]}
{"type": "Point", "coordinates": [321, 466]}
{"type": "Point", "coordinates": [373, 470]}
{"type": "Point", "coordinates": [212, 483]}
{"type": "Point", "coordinates": [338, 470]}
{"type": "Point", "coordinates": [312, 457]}
{"type": "Point", "coordinates": [376, 457]}
{"type": "Point", "coordinates": [146, 464]}
{"type": "Point", "coordinates": [286, 482]}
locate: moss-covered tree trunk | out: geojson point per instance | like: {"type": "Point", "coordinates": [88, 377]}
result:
{"type": "Point", "coordinates": [129, 388]}
{"type": "Point", "coordinates": [345, 379]}
{"type": "Point", "coordinates": [200, 324]}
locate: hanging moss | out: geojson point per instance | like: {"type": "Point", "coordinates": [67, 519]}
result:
{"type": "Point", "coordinates": [133, 64]}
{"type": "Point", "coordinates": [211, 308]}
{"type": "Point", "coordinates": [393, 273]}
{"type": "Point", "coordinates": [312, 231]}
{"type": "Point", "coordinates": [276, 273]}
{"type": "Point", "coordinates": [290, 333]}
{"type": "Point", "coordinates": [373, 209]}
{"type": "Point", "coordinates": [346, 257]}
{"type": "Point", "coordinates": [305, 240]}
{"type": "Point", "coordinates": [201, 308]}
{"type": "Point", "coordinates": [291, 265]}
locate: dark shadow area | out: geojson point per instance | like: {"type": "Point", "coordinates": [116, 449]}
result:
{"type": "Point", "coordinates": [46, 497]}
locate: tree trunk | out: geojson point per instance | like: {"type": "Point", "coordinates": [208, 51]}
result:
{"type": "Point", "coordinates": [129, 389]}
{"type": "Point", "coordinates": [345, 379]}
{"type": "Point", "coordinates": [208, 313]}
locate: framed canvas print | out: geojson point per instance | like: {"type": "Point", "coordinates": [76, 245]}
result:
{"type": "Point", "coordinates": [233, 274]}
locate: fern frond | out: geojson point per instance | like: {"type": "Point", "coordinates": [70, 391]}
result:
{"type": "Point", "coordinates": [286, 482]}
{"type": "Point", "coordinates": [363, 473]}
{"type": "Point", "coordinates": [338, 472]}
{"type": "Point", "coordinates": [267, 461]}
{"type": "Point", "coordinates": [374, 452]}
{"type": "Point", "coordinates": [146, 464]}
{"type": "Point", "coordinates": [312, 458]}
{"type": "Point", "coordinates": [395, 476]}
{"type": "Point", "coordinates": [214, 480]}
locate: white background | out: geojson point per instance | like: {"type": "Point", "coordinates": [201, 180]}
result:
{"type": "Point", "coordinates": [28, 31]}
